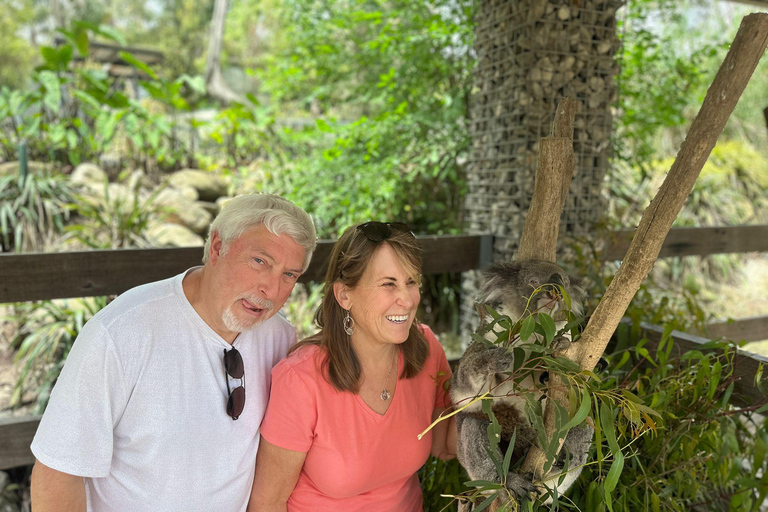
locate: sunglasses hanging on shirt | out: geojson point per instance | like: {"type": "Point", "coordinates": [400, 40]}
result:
{"type": "Point", "coordinates": [233, 365]}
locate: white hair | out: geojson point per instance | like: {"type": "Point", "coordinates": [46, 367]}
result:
{"type": "Point", "coordinates": [278, 215]}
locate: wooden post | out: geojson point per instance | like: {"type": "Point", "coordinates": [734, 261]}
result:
{"type": "Point", "coordinates": [742, 59]}
{"type": "Point", "coordinates": [553, 178]}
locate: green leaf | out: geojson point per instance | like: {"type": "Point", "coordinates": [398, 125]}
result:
{"type": "Point", "coordinates": [508, 455]}
{"type": "Point", "coordinates": [606, 420]}
{"type": "Point", "coordinates": [483, 483]}
{"type": "Point", "coordinates": [614, 473]}
{"type": "Point", "coordinates": [110, 33]}
{"type": "Point", "coordinates": [323, 126]}
{"type": "Point", "coordinates": [581, 414]}
{"type": "Point", "coordinates": [81, 40]}
{"type": "Point", "coordinates": [133, 61]}
{"type": "Point", "coordinates": [529, 324]}
{"type": "Point", "coordinates": [52, 85]}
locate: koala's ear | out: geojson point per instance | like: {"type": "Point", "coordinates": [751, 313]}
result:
{"type": "Point", "coordinates": [577, 288]}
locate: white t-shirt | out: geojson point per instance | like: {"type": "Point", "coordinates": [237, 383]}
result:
{"type": "Point", "coordinates": [140, 406]}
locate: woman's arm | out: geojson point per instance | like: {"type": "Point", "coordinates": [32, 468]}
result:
{"type": "Point", "coordinates": [443, 436]}
{"type": "Point", "coordinates": [277, 471]}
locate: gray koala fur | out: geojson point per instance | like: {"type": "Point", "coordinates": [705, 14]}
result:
{"type": "Point", "coordinates": [507, 289]}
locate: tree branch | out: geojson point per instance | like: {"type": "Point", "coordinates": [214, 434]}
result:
{"type": "Point", "coordinates": [742, 59]}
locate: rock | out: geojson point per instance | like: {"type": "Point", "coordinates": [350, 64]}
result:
{"type": "Point", "coordinates": [212, 208]}
{"type": "Point", "coordinates": [139, 179]}
{"type": "Point", "coordinates": [209, 186]}
{"type": "Point", "coordinates": [180, 210]}
{"type": "Point", "coordinates": [173, 235]}
{"type": "Point", "coordinates": [220, 202]}
{"type": "Point", "coordinates": [188, 192]}
{"type": "Point", "coordinates": [88, 175]}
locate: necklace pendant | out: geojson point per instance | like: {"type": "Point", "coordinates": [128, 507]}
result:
{"type": "Point", "coordinates": [386, 395]}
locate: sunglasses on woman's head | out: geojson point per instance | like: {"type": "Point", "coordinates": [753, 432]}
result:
{"type": "Point", "coordinates": [233, 365]}
{"type": "Point", "coordinates": [379, 231]}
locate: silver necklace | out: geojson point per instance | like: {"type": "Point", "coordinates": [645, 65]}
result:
{"type": "Point", "coordinates": [385, 394]}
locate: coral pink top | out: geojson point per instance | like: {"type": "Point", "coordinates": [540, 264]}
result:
{"type": "Point", "coordinates": [357, 459]}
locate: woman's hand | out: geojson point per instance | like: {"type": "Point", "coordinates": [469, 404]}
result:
{"type": "Point", "coordinates": [277, 471]}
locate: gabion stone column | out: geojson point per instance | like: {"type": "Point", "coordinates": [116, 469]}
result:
{"type": "Point", "coordinates": [531, 55]}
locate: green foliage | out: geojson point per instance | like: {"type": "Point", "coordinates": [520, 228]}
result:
{"type": "Point", "coordinates": [662, 82]}
{"type": "Point", "coordinates": [391, 81]}
{"type": "Point", "coordinates": [438, 478]}
{"type": "Point", "coordinates": [705, 454]}
{"type": "Point", "coordinates": [33, 210]}
{"type": "Point", "coordinates": [300, 308]}
{"type": "Point", "coordinates": [76, 114]}
{"type": "Point", "coordinates": [17, 55]}
{"type": "Point", "coordinates": [46, 334]}
{"type": "Point", "coordinates": [115, 218]}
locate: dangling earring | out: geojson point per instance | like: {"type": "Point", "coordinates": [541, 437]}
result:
{"type": "Point", "coordinates": [349, 324]}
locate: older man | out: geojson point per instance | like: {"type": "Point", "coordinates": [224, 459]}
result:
{"type": "Point", "coordinates": [150, 411]}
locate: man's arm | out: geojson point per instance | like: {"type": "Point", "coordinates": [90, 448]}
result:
{"type": "Point", "coordinates": [277, 471]}
{"type": "Point", "coordinates": [54, 491]}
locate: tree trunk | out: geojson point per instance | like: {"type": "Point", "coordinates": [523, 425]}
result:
{"type": "Point", "coordinates": [214, 80]}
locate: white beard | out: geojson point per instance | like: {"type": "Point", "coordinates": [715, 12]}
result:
{"type": "Point", "coordinates": [234, 324]}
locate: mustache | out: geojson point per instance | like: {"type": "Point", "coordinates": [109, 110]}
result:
{"type": "Point", "coordinates": [258, 301]}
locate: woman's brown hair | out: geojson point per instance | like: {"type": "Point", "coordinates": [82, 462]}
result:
{"type": "Point", "coordinates": [349, 259]}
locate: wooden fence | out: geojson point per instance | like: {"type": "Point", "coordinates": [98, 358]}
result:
{"type": "Point", "coordinates": [27, 277]}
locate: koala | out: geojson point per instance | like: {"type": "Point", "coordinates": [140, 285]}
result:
{"type": "Point", "coordinates": [507, 289]}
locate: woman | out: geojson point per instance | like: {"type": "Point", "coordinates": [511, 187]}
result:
{"type": "Point", "coordinates": [347, 404]}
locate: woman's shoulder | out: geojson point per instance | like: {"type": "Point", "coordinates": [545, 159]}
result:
{"type": "Point", "coordinates": [305, 359]}
{"type": "Point", "coordinates": [432, 340]}
{"type": "Point", "coordinates": [436, 354]}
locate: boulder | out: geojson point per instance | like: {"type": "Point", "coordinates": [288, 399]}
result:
{"type": "Point", "coordinates": [209, 186]}
{"type": "Point", "coordinates": [88, 175]}
{"type": "Point", "coordinates": [139, 179]}
{"type": "Point", "coordinates": [180, 210]}
{"type": "Point", "coordinates": [212, 208]}
{"type": "Point", "coordinates": [220, 202]}
{"type": "Point", "coordinates": [173, 235]}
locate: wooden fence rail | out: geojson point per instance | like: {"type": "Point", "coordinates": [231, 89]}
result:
{"type": "Point", "coordinates": [25, 277]}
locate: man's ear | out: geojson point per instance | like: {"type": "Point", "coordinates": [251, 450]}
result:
{"type": "Point", "coordinates": [341, 292]}
{"type": "Point", "coordinates": [215, 250]}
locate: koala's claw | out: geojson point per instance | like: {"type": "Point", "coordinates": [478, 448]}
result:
{"type": "Point", "coordinates": [560, 344]}
{"type": "Point", "coordinates": [521, 485]}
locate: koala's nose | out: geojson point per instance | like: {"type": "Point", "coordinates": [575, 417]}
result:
{"type": "Point", "coordinates": [556, 279]}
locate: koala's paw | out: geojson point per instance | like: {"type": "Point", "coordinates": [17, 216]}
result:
{"type": "Point", "coordinates": [521, 485]}
{"type": "Point", "coordinates": [560, 344]}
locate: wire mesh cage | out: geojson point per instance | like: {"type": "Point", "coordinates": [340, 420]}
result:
{"type": "Point", "coordinates": [531, 55]}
